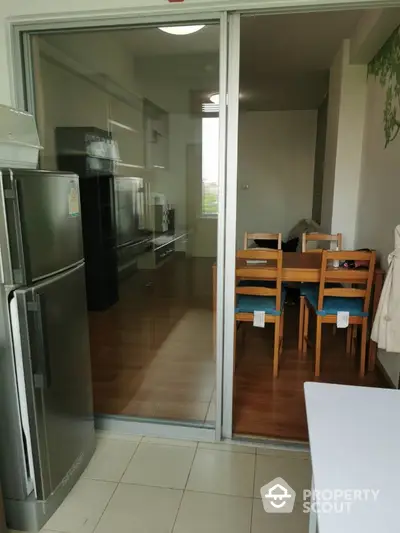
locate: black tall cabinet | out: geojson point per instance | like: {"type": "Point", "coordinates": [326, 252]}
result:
{"type": "Point", "coordinates": [88, 153]}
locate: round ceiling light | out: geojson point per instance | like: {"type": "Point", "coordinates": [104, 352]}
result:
{"type": "Point", "coordinates": [181, 30]}
{"type": "Point", "coordinates": [214, 98]}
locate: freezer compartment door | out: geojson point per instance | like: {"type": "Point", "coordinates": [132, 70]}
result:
{"type": "Point", "coordinates": [42, 224]}
{"type": "Point", "coordinates": [54, 335]}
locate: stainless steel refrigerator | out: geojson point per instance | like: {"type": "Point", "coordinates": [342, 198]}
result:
{"type": "Point", "coordinates": [46, 410]}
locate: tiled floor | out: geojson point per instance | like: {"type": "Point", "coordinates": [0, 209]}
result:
{"type": "Point", "coordinates": [149, 485]}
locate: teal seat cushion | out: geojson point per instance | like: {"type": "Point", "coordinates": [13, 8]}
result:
{"type": "Point", "coordinates": [309, 289]}
{"type": "Point", "coordinates": [248, 304]}
{"type": "Point", "coordinates": [333, 304]}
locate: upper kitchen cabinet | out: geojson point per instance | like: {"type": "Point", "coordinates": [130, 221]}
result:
{"type": "Point", "coordinates": [156, 122]}
{"type": "Point", "coordinates": [126, 128]}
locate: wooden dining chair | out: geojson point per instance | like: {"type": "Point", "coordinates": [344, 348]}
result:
{"type": "Point", "coordinates": [336, 240]}
{"type": "Point", "coordinates": [262, 237]}
{"type": "Point", "coordinates": [269, 299]}
{"type": "Point", "coordinates": [330, 300]}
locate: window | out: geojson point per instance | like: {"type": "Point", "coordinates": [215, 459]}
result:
{"type": "Point", "coordinates": [210, 139]}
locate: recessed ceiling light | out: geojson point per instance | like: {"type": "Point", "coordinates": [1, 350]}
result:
{"type": "Point", "coordinates": [181, 30]}
{"type": "Point", "coordinates": [214, 98]}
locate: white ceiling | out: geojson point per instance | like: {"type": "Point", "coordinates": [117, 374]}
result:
{"type": "Point", "coordinates": [284, 59]}
{"type": "Point", "coordinates": [153, 42]}
{"type": "Point", "coordinates": [301, 42]}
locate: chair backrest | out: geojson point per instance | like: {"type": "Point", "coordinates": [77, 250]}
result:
{"type": "Point", "coordinates": [256, 264]}
{"type": "Point", "coordinates": [262, 237]}
{"type": "Point", "coordinates": [320, 237]}
{"type": "Point", "coordinates": [330, 274]}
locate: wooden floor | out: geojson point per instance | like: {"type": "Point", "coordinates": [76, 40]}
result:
{"type": "Point", "coordinates": [152, 354]}
{"type": "Point", "coordinates": [275, 408]}
{"type": "Point", "coordinates": [152, 357]}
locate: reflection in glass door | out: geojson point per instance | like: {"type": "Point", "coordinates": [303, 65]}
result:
{"type": "Point", "coordinates": [135, 112]}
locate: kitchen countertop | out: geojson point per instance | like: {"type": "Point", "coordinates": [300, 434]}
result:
{"type": "Point", "coordinates": [355, 444]}
{"type": "Point", "coordinates": [164, 239]}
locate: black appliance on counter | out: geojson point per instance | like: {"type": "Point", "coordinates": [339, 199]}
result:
{"type": "Point", "coordinates": [171, 220]}
{"type": "Point", "coordinates": [90, 153]}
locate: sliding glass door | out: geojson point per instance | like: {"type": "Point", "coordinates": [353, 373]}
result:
{"type": "Point", "coordinates": [142, 114]}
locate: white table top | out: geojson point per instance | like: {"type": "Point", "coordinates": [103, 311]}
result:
{"type": "Point", "coordinates": [355, 444]}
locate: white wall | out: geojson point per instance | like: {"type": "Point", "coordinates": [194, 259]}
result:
{"type": "Point", "coordinates": [319, 160]}
{"type": "Point", "coordinates": [345, 130]}
{"type": "Point", "coordinates": [378, 208]}
{"type": "Point", "coordinates": [349, 150]}
{"type": "Point", "coordinates": [276, 163]}
{"type": "Point", "coordinates": [335, 83]}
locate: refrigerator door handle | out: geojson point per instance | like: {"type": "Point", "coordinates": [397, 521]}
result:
{"type": "Point", "coordinates": [16, 259]}
{"type": "Point", "coordinates": [19, 236]}
{"type": "Point", "coordinates": [43, 377]}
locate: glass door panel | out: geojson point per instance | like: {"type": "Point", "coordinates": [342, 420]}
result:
{"type": "Point", "coordinates": [135, 113]}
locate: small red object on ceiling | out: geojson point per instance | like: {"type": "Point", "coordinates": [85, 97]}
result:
{"type": "Point", "coordinates": [173, 1]}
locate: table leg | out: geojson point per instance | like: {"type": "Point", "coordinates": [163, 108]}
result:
{"type": "Point", "coordinates": [377, 294]}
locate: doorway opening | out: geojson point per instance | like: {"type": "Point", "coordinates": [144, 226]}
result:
{"type": "Point", "coordinates": [293, 93]}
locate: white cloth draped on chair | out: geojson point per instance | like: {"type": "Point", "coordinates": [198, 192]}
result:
{"type": "Point", "coordinates": [386, 328]}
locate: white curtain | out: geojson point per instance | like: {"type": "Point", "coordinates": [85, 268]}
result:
{"type": "Point", "coordinates": [386, 328]}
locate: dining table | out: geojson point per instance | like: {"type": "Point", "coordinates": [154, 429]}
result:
{"type": "Point", "coordinates": [305, 268]}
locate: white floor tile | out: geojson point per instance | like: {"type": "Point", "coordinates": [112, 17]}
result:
{"type": "Point", "coordinates": [201, 512]}
{"type": "Point", "coordinates": [227, 447]}
{"type": "Point", "coordinates": [110, 459]}
{"type": "Point", "coordinates": [135, 508]}
{"type": "Point", "coordinates": [160, 466]}
{"type": "Point", "coordinates": [82, 508]}
{"type": "Point", "coordinates": [262, 522]}
{"type": "Point", "coordinates": [222, 473]}
{"type": "Point", "coordinates": [295, 471]}
{"type": "Point", "coordinates": [170, 442]}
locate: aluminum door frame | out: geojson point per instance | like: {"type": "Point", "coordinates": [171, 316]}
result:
{"type": "Point", "coordinates": [230, 223]}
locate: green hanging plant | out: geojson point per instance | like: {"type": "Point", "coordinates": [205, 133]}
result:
{"type": "Point", "coordinates": [386, 67]}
